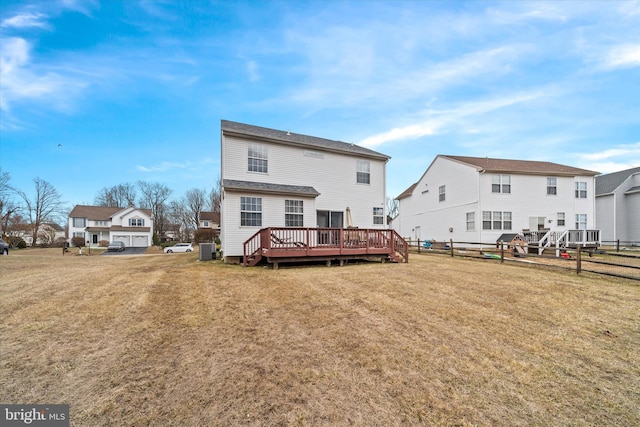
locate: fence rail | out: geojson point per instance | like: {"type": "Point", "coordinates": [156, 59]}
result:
{"type": "Point", "coordinates": [624, 263]}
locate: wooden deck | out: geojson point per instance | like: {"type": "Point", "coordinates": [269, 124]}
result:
{"type": "Point", "coordinates": [561, 240]}
{"type": "Point", "coordinates": [278, 245]}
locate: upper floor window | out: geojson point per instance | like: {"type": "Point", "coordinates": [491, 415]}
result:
{"type": "Point", "coordinates": [560, 219]}
{"type": "Point", "coordinates": [552, 186]}
{"type": "Point", "coordinates": [257, 158]}
{"type": "Point", "coordinates": [363, 174]}
{"type": "Point", "coordinates": [251, 211]}
{"type": "Point", "coordinates": [102, 223]}
{"type": "Point", "coordinates": [441, 193]}
{"type": "Point", "coordinates": [293, 213]}
{"type": "Point", "coordinates": [471, 221]}
{"type": "Point", "coordinates": [79, 222]}
{"type": "Point", "coordinates": [581, 190]}
{"type": "Point", "coordinates": [205, 223]}
{"type": "Point", "coordinates": [378, 215]}
{"type": "Point", "coordinates": [581, 221]}
{"type": "Point", "coordinates": [496, 220]}
{"type": "Point", "coordinates": [501, 184]}
{"type": "Point", "coordinates": [136, 222]}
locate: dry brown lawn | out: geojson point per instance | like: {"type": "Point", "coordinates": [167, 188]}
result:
{"type": "Point", "coordinates": [166, 340]}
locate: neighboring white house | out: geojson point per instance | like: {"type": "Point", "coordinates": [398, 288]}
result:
{"type": "Point", "coordinates": [130, 225]}
{"type": "Point", "coordinates": [273, 178]}
{"type": "Point", "coordinates": [477, 199]}
{"type": "Point", "coordinates": [48, 234]}
{"type": "Point", "coordinates": [618, 206]}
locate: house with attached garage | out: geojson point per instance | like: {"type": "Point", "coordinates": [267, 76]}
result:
{"type": "Point", "coordinates": [618, 206]}
{"type": "Point", "coordinates": [287, 195]}
{"type": "Point", "coordinates": [478, 199]}
{"type": "Point", "coordinates": [132, 226]}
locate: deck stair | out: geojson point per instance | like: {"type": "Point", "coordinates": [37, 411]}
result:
{"type": "Point", "coordinates": [562, 240]}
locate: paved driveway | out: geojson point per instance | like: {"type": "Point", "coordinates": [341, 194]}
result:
{"type": "Point", "coordinates": [127, 251]}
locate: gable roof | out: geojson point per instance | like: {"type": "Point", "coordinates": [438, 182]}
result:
{"type": "Point", "coordinates": [289, 138]}
{"type": "Point", "coordinates": [407, 192]}
{"type": "Point", "coordinates": [607, 183]}
{"type": "Point", "coordinates": [524, 167]}
{"type": "Point", "coordinates": [299, 190]}
{"type": "Point", "coordinates": [99, 213]}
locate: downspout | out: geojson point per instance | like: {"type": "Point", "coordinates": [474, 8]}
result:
{"type": "Point", "coordinates": [481, 172]}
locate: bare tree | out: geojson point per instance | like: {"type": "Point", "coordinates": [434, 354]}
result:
{"type": "Point", "coordinates": [45, 205]}
{"type": "Point", "coordinates": [8, 207]}
{"type": "Point", "coordinates": [195, 201]}
{"type": "Point", "coordinates": [118, 196]}
{"type": "Point", "coordinates": [215, 197]}
{"type": "Point", "coordinates": [178, 217]}
{"type": "Point", "coordinates": [393, 209]}
{"type": "Point", "coordinates": [154, 196]}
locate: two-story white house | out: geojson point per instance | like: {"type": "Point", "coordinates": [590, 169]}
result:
{"type": "Point", "coordinates": [132, 226]}
{"type": "Point", "coordinates": [618, 206]}
{"type": "Point", "coordinates": [274, 178]}
{"type": "Point", "coordinates": [478, 199]}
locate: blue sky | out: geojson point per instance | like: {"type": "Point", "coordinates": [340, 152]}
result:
{"type": "Point", "coordinates": [99, 93]}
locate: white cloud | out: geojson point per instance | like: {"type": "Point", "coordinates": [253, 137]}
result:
{"type": "Point", "coordinates": [252, 71]}
{"type": "Point", "coordinates": [623, 56]}
{"type": "Point", "coordinates": [437, 121]}
{"type": "Point", "coordinates": [626, 150]}
{"type": "Point", "coordinates": [26, 20]}
{"type": "Point", "coordinates": [620, 157]}
{"type": "Point", "coordinates": [167, 166]}
{"type": "Point", "coordinates": [19, 82]}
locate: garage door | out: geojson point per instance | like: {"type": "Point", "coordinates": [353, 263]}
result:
{"type": "Point", "coordinates": [123, 239]}
{"type": "Point", "coordinates": [140, 241]}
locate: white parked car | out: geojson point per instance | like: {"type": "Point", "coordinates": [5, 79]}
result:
{"type": "Point", "coordinates": [179, 247]}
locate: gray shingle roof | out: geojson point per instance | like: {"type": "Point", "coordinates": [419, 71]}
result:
{"type": "Point", "coordinates": [98, 213]}
{"type": "Point", "coordinates": [521, 166]}
{"type": "Point", "coordinates": [290, 138]}
{"type": "Point", "coordinates": [607, 183]}
{"type": "Point", "coordinates": [263, 187]}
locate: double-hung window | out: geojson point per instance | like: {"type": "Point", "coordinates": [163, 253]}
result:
{"type": "Point", "coordinates": [293, 213]}
{"type": "Point", "coordinates": [560, 219]}
{"type": "Point", "coordinates": [552, 186]}
{"type": "Point", "coordinates": [257, 158]}
{"type": "Point", "coordinates": [363, 173]}
{"type": "Point", "coordinates": [136, 222]}
{"type": "Point", "coordinates": [251, 211]}
{"type": "Point", "coordinates": [378, 215]}
{"type": "Point", "coordinates": [581, 221]}
{"type": "Point", "coordinates": [471, 221]}
{"type": "Point", "coordinates": [442, 193]}
{"type": "Point", "coordinates": [79, 222]}
{"type": "Point", "coordinates": [581, 190]}
{"type": "Point", "coordinates": [501, 184]}
{"type": "Point", "coordinates": [496, 220]}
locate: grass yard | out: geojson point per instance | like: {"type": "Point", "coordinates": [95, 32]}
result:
{"type": "Point", "coordinates": [166, 340]}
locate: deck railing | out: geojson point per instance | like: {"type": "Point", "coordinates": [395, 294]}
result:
{"type": "Point", "coordinates": [562, 239]}
{"type": "Point", "coordinates": [285, 242]}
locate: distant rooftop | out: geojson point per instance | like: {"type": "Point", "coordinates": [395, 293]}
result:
{"type": "Point", "coordinates": [607, 183]}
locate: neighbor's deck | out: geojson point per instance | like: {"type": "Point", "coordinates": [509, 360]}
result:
{"type": "Point", "coordinates": [326, 244]}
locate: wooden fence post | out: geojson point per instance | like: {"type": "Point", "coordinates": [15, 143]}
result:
{"type": "Point", "coordinates": [419, 248]}
{"type": "Point", "coordinates": [451, 246]}
{"type": "Point", "coordinates": [618, 245]}
{"type": "Point", "coordinates": [501, 251]}
{"type": "Point", "coordinates": [579, 260]}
